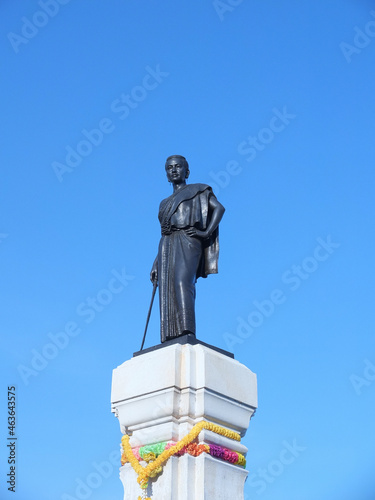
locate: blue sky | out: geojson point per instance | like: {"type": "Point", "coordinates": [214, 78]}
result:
{"type": "Point", "coordinates": [273, 105]}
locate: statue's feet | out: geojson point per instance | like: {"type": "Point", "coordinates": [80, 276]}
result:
{"type": "Point", "coordinates": [185, 332]}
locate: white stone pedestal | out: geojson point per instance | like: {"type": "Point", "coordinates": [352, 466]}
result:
{"type": "Point", "coordinates": [160, 395]}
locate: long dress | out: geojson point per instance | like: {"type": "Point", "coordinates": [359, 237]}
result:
{"type": "Point", "coordinates": [182, 259]}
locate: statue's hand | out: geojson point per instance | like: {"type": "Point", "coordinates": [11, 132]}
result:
{"type": "Point", "coordinates": [154, 275]}
{"type": "Point", "coordinates": [196, 233]}
{"type": "Point", "coordinates": [154, 271]}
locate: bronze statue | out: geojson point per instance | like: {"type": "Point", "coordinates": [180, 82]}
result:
{"type": "Point", "coordinates": [188, 249]}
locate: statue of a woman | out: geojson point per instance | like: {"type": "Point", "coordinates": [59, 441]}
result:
{"type": "Point", "coordinates": [188, 249]}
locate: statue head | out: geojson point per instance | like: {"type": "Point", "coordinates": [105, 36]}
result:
{"type": "Point", "coordinates": [177, 168]}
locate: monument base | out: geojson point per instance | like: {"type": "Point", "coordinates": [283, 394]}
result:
{"type": "Point", "coordinates": [161, 394]}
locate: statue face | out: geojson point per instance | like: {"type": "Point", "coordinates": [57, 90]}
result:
{"type": "Point", "coordinates": [177, 171]}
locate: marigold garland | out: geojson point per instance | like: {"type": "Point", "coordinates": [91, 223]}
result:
{"type": "Point", "coordinates": [157, 454]}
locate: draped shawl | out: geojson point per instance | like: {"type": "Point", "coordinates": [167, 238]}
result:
{"type": "Point", "coordinates": [189, 208]}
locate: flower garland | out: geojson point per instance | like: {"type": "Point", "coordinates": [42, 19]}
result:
{"type": "Point", "coordinates": [157, 454]}
{"type": "Point", "coordinates": [150, 452]}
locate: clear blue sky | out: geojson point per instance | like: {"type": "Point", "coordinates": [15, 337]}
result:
{"type": "Point", "coordinates": [273, 105]}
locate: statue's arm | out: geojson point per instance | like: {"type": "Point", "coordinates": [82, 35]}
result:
{"type": "Point", "coordinates": [216, 215]}
{"type": "Point", "coordinates": [217, 212]}
{"type": "Point", "coordinates": [154, 271]}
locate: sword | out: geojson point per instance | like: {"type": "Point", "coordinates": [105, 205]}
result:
{"type": "Point", "coordinates": [149, 312]}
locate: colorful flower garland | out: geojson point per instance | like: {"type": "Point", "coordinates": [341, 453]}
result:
{"type": "Point", "coordinates": [157, 454]}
